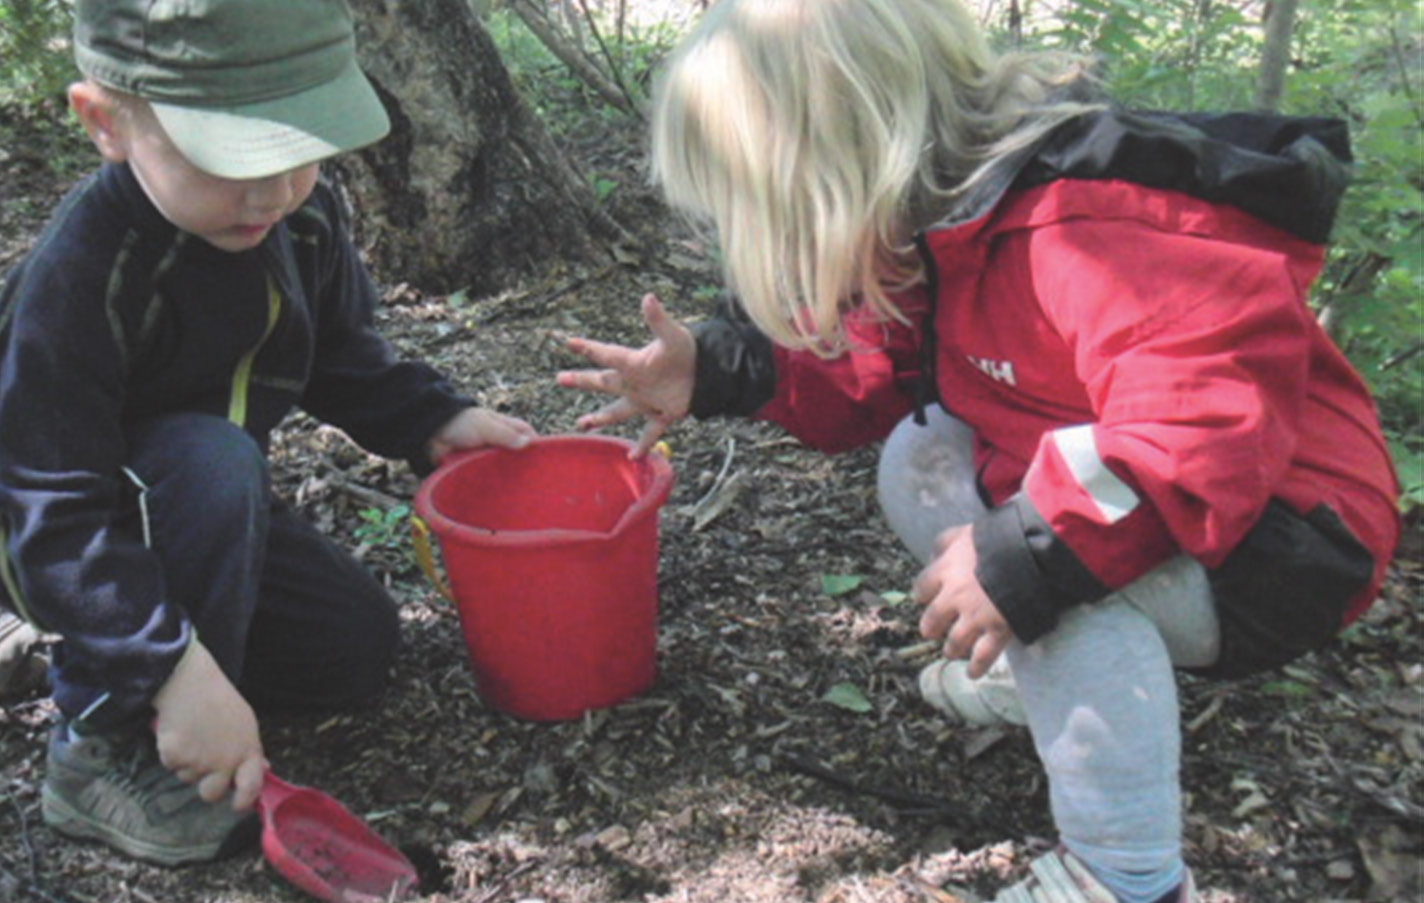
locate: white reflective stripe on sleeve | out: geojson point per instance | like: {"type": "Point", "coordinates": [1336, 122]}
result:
{"type": "Point", "coordinates": [1114, 498]}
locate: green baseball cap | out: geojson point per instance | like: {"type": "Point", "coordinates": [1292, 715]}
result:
{"type": "Point", "coordinates": [244, 88]}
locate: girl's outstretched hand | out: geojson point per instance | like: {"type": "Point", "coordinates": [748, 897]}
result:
{"type": "Point", "coordinates": [654, 381]}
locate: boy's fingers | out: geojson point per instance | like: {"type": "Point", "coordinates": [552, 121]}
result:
{"type": "Point", "coordinates": [247, 783]}
{"type": "Point", "coordinates": [506, 434]}
{"type": "Point", "coordinates": [214, 785]}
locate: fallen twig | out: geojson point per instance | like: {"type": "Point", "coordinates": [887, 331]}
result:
{"type": "Point", "coordinates": [503, 884]}
{"type": "Point", "coordinates": [908, 803]}
{"type": "Point", "coordinates": [930, 892]}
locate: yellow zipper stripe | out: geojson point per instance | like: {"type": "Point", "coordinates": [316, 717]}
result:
{"type": "Point", "coordinates": [12, 586]}
{"type": "Point", "coordinates": [237, 405]}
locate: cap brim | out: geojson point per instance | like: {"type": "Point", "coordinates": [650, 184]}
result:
{"type": "Point", "coordinates": [263, 139]}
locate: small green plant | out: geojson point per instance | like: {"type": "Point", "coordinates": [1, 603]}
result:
{"type": "Point", "coordinates": [387, 530]}
{"type": "Point", "coordinates": [848, 696]}
{"type": "Point", "coordinates": [840, 584]}
{"type": "Point", "coordinates": [603, 187]}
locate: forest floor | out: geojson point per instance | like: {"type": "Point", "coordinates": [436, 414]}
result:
{"type": "Point", "coordinates": [732, 778]}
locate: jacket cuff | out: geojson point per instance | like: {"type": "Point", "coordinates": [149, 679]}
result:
{"type": "Point", "coordinates": [433, 419]}
{"type": "Point", "coordinates": [736, 369]}
{"type": "Point", "coordinates": [1027, 571]}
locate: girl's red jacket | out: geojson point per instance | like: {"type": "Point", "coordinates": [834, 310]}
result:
{"type": "Point", "coordinates": [1143, 375]}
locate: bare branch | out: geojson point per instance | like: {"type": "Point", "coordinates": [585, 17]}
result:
{"type": "Point", "coordinates": [572, 56]}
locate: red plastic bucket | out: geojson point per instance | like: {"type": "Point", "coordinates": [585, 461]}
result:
{"type": "Point", "coordinates": [552, 555]}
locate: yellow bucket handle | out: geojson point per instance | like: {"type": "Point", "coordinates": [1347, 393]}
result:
{"type": "Point", "coordinates": [425, 555]}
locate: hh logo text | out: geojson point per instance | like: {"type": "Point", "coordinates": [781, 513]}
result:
{"type": "Point", "coordinates": [1001, 371]}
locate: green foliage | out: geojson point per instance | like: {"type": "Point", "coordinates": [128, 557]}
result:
{"type": "Point", "coordinates": [1356, 59]}
{"type": "Point", "coordinates": [1362, 62]}
{"type": "Point", "coordinates": [35, 60]}
{"type": "Point", "coordinates": [622, 47]}
{"type": "Point", "coordinates": [1163, 54]}
{"type": "Point", "coordinates": [541, 79]}
{"type": "Point", "coordinates": [388, 530]}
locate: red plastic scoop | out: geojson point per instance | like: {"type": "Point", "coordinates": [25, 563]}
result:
{"type": "Point", "coordinates": [326, 851]}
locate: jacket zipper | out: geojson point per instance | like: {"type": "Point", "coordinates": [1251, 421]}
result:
{"type": "Point", "coordinates": [242, 376]}
{"type": "Point", "coordinates": [927, 386]}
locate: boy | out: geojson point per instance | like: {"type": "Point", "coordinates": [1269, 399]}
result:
{"type": "Point", "coordinates": [182, 301]}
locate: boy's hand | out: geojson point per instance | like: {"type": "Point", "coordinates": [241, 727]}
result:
{"type": "Point", "coordinates": [477, 428]}
{"type": "Point", "coordinates": [207, 733]}
{"type": "Point", "coordinates": [956, 606]}
{"type": "Point", "coordinates": [654, 381]}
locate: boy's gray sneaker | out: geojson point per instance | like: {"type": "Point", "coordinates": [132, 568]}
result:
{"type": "Point", "coordinates": [22, 661]}
{"type": "Point", "coordinates": [112, 787]}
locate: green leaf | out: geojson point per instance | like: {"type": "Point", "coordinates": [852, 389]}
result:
{"type": "Point", "coordinates": [894, 596]}
{"type": "Point", "coordinates": [1287, 688]}
{"type": "Point", "coordinates": [839, 584]}
{"type": "Point", "coordinates": [848, 696]}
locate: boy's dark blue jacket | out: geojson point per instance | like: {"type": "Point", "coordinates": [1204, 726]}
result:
{"type": "Point", "coordinates": [116, 316]}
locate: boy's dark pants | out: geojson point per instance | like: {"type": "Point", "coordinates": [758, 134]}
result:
{"type": "Point", "coordinates": [295, 621]}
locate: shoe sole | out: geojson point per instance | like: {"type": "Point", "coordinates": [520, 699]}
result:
{"type": "Point", "coordinates": [64, 818]}
{"type": "Point", "coordinates": [947, 688]}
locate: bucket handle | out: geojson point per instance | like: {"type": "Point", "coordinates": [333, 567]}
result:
{"type": "Point", "coordinates": [425, 555]}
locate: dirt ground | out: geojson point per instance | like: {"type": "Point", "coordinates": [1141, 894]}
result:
{"type": "Point", "coordinates": [733, 778]}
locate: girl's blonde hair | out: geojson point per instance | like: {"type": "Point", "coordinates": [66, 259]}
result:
{"type": "Point", "coordinates": [814, 133]}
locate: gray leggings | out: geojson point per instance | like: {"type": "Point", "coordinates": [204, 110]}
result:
{"type": "Point", "coordinates": [1099, 690]}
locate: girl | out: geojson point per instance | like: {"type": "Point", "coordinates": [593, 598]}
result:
{"type": "Point", "coordinates": [1145, 453]}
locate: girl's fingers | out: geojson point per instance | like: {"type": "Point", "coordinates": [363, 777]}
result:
{"type": "Point", "coordinates": [985, 651]}
{"type": "Point", "coordinates": [960, 639]}
{"type": "Point", "coordinates": [656, 316]}
{"type": "Point", "coordinates": [652, 431]}
{"type": "Point", "coordinates": [601, 354]}
{"type": "Point", "coordinates": [605, 381]}
{"type": "Point", "coordinates": [935, 623]}
{"type": "Point", "coordinates": [610, 414]}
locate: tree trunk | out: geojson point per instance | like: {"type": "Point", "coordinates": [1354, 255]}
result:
{"type": "Point", "coordinates": [468, 190]}
{"type": "Point", "coordinates": [1275, 54]}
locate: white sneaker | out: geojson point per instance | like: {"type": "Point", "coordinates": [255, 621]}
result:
{"type": "Point", "coordinates": [22, 664]}
{"type": "Point", "coordinates": [1058, 877]}
{"type": "Point", "coordinates": [992, 699]}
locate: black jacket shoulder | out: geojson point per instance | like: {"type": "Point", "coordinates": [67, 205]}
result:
{"type": "Point", "coordinates": [1289, 171]}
